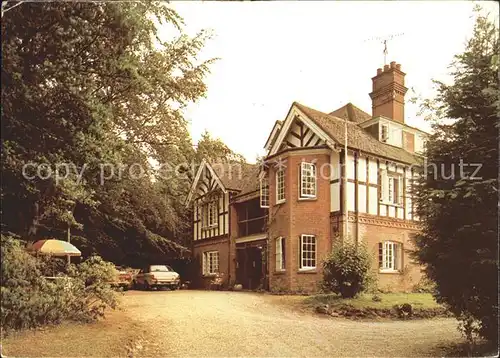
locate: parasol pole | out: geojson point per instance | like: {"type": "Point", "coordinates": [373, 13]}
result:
{"type": "Point", "coordinates": [69, 236]}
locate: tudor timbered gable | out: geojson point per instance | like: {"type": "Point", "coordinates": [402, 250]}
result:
{"type": "Point", "coordinates": [301, 136]}
{"type": "Point", "coordinates": [210, 205]}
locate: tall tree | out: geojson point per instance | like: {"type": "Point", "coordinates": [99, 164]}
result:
{"type": "Point", "coordinates": [93, 88]}
{"type": "Point", "coordinates": [215, 150]}
{"type": "Point", "coordinates": [458, 195]}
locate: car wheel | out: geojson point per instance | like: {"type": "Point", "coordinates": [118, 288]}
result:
{"type": "Point", "coordinates": [146, 286]}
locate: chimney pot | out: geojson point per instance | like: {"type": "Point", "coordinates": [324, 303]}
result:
{"type": "Point", "coordinates": [388, 80]}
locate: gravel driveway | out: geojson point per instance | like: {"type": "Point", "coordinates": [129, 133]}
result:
{"type": "Point", "coordinates": [212, 323]}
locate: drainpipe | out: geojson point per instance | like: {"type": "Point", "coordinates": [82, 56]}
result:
{"type": "Point", "coordinates": [346, 210]}
{"type": "Point", "coordinates": [230, 236]}
{"type": "Point", "coordinates": [356, 182]}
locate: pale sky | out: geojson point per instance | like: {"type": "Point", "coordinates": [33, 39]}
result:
{"type": "Point", "coordinates": [315, 53]}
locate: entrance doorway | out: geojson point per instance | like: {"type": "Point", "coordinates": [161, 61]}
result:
{"type": "Point", "coordinates": [251, 267]}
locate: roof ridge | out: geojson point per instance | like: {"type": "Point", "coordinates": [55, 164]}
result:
{"type": "Point", "coordinates": [357, 136]}
{"type": "Point", "coordinates": [328, 114]}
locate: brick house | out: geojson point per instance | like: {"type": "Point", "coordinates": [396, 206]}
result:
{"type": "Point", "coordinates": [271, 225]}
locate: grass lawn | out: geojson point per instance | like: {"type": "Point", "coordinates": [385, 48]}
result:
{"type": "Point", "coordinates": [417, 300]}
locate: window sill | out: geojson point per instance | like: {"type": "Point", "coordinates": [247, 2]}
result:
{"type": "Point", "coordinates": [209, 275]}
{"type": "Point", "coordinates": [305, 198]}
{"type": "Point", "coordinates": [391, 204]}
{"type": "Point", "coordinates": [209, 227]}
{"type": "Point", "coordinates": [280, 202]}
{"type": "Point", "coordinates": [312, 270]}
{"type": "Point", "coordinates": [389, 271]}
{"type": "Point", "coordinates": [279, 272]}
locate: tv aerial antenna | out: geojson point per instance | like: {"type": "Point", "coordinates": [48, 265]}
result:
{"type": "Point", "coordinates": [384, 40]}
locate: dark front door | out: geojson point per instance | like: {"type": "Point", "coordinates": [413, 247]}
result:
{"type": "Point", "coordinates": [250, 268]}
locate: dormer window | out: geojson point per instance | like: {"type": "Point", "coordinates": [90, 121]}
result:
{"type": "Point", "coordinates": [384, 133]}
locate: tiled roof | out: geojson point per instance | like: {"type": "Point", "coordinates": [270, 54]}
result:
{"type": "Point", "coordinates": [238, 176]}
{"type": "Point", "coordinates": [352, 113]}
{"type": "Point", "coordinates": [357, 137]}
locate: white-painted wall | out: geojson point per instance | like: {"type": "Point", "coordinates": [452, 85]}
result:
{"type": "Point", "coordinates": [362, 198]}
{"type": "Point", "coordinates": [366, 188]}
{"type": "Point", "coordinates": [222, 227]}
{"type": "Point", "coordinates": [419, 143]}
{"type": "Point", "coordinates": [334, 187]}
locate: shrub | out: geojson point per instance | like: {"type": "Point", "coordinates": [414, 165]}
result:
{"type": "Point", "coordinates": [30, 300]}
{"type": "Point", "coordinates": [346, 270]}
{"type": "Point", "coordinates": [91, 288]}
{"type": "Point", "coordinates": [425, 285]}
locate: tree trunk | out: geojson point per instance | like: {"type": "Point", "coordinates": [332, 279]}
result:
{"type": "Point", "coordinates": [33, 227]}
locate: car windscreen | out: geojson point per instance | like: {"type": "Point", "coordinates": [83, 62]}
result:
{"type": "Point", "coordinates": [159, 268]}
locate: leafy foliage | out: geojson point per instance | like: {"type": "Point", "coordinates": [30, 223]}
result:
{"type": "Point", "coordinates": [92, 90]}
{"type": "Point", "coordinates": [457, 205]}
{"type": "Point", "coordinates": [214, 150]}
{"type": "Point", "coordinates": [30, 300]}
{"type": "Point", "coordinates": [346, 270]}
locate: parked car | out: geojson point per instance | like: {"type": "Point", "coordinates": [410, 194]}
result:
{"type": "Point", "coordinates": [156, 276]}
{"type": "Point", "coordinates": [123, 278]}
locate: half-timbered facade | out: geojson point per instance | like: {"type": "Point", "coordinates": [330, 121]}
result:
{"type": "Point", "coordinates": [274, 227]}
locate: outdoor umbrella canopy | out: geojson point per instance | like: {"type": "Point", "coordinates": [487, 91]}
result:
{"type": "Point", "coordinates": [55, 248]}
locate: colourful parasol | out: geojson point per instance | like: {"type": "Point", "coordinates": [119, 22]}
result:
{"type": "Point", "coordinates": [55, 248]}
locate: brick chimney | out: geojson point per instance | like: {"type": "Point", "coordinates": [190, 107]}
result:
{"type": "Point", "coordinates": [388, 93]}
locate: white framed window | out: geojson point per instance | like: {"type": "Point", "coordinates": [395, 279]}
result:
{"type": "Point", "coordinates": [264, 192]}
{"type": "Point", "coordinates": [280, 254]}
{"type": "Point", "coordinates": [210, 262]}
{"type": "Point", "coordinates": [210, 214]}
{"type": "Point", "coordinates": [307, 252]}
{"type": "Point", "coordinates": [392, 188]}
{"type": "Point", "coordinates": [390, 256]}
{"type": "Point", "coordinates": [307, 180]}
{"type": "Point", "coordinates": [384, 133]}
{"type": "Point", "coordinates": [280, 186]}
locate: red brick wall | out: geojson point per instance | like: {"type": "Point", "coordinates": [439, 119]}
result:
{"type": "Point", "coordinates": [233, 230]}
{"type": "Point", "coordinates": [371, 235]}
{"type": "Point", "coordinates": [201, 246]}
{"type": "Point", "coordinates": [296, 217]}
{"type": "Point", "coordinates": [411, 273]}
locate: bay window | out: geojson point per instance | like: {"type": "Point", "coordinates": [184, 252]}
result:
{"type": "Point", "coordinates": [264, 192]}
{"type": "Point", "coordinates": [307, 252]}
{"type": "Point", "coordinates": [280, 186]}
{"type": "Point", "coordinates": [280, 254]}
{"type": "Point", "coordinates": [307, 180]}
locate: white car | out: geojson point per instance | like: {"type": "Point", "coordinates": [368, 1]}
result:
{"type": "Point", "coordinates": [156, 276]}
